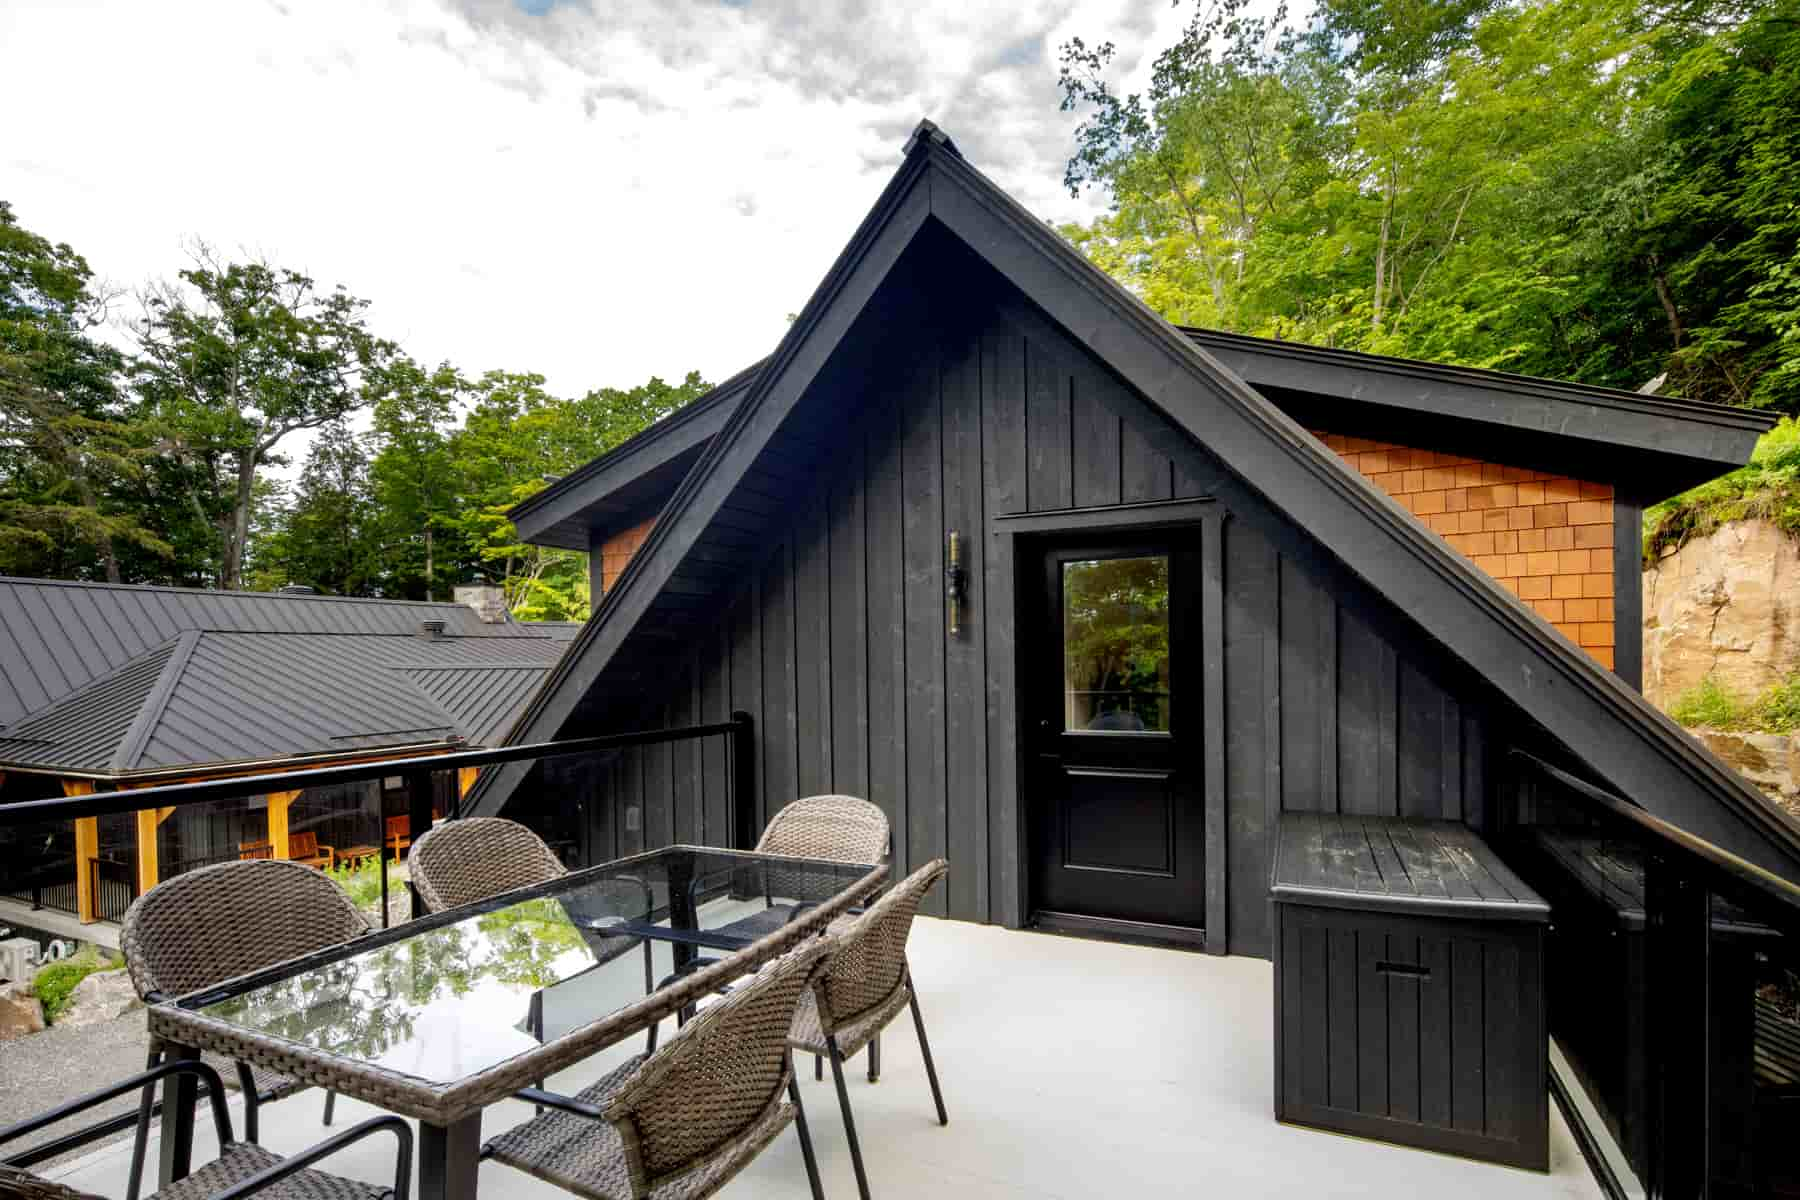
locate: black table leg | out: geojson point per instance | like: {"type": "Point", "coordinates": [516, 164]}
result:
{"type": "Point", "coordinates": [176, 1145]}
{"type": "Point", "coordinates": [449, 1159]}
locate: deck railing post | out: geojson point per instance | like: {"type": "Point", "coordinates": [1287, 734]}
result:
{"type": "Point", "coordinates": [1679, 986]}
{"type": "Point", "coordinates": [419, 794]}
{"type": "Point", "coordinates": [743, 780]}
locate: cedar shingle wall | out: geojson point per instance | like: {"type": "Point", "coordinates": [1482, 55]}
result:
{"type": "Point", "coordinates": [1548, 539]}
{"type": "Point", "coordinates": [617, 550]}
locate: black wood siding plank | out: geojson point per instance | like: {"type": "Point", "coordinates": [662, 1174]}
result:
{"type": "Point", "coordinates": [1434, 1032]}
{"type": "Point", "coordinates": [922, 518]}
{"type": "Point", "coordinates": [1468, 1043]}
{"type": "Point", "coordinates": [1371, 1023]}
{"type": "Point", "coordinates": [812, 650]}
{"type": "Point", "coordinates": [715, 706]}
{"type": "Point", "coordinates": [848, 663]}
{"type": "Point", "coordinates": [1403, 1029]}
{"type": "Point", "coordinates": [1049, 485]}
{"type": "Point", "coordinates": [1315, 1012]}
{"type": "Point", "coordinates": [1095, 443]}
{"type": "Point", "coordinates": [1304, 704]}
{"type": "Point", "coordinates": [1004, 483]}
{"type": "Point", "coordinates": [885, 564]}
{"type": "Point", "coordinates": [965, 691]}
{"type": "Point", "coordinates": [1145, 473]}
{"type": "Point", "coordinates": [781, 722]}
{"type": "Point", "coordinates": [1250, 633]}
{"type": "Point", "coordinates": [747, 690]}
{"type": "Point", "coordinates": [1341, 1010]}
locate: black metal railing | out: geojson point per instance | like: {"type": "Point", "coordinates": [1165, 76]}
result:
{"type": "Point", "coordinates": [428, 788]}
{"type": "Point", "coordinates": [1674, 992]}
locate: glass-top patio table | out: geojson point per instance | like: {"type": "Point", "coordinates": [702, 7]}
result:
{"type": "Point", "coordinates": [438, 1018]}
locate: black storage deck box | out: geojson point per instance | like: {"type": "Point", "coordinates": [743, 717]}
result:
{"type": "Point", "coordinates": [1409, 988]}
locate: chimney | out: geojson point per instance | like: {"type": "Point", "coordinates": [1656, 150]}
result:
{"type": "Point", "coordinates": [487, 599]}
{"type": "Point", "coordinates": [432, 631]}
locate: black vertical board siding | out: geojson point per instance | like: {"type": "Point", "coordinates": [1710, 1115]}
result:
{"type": "Point", "coordinates": [1314, 1013]}
{"type": "Point", "coordinates": [922, 488]}
{"type": "Point", "coordinates": [628, 803]}
{"type": "Point", "coordinates": [1095, 442]}
{"type": "Point", "coordinates": [780, 721]}
{"type": "Point", "coordinates": [1468, 1045]}
{"type": "Point", "coordinates": [1304, 702]}
{"type": "Point", "coordinates": [812, 650]}
{"type": "Point", "coordinates": [659, 791]}
{"type": "Point", "coordinates": [885, 563]}
{"type": "Point", "coordinates": [1434, 1031]}
{"type": "Point", "coordinates": [715, 707]}
{"type": "Point", "coordinates": [1420, 745]}
{"type": "Point", "coordinates": [684, 757]}
{"type": "Point", "coordinates": [848, 661]}
{"type": "Point", "coordinates": [1504, 994]}
{"type": "Point", "coordinates": [1403, 1031]}
{"type": "Point", "coordinates": [965, 699]}
{"type": "Point", "coordinates": [1004, 451]}
{"type": "Point", "coordinates": [1048, 486]}
{"type": "Point", "coordinates": [1366, 665]}
{"type": "Point", "coordinates": [1145, 472]}
{"type": "Point", "coordinates": [1252, 792]}
{"type": "Point", "coordinates": [747, 688]}
{"type": "Point", "coordinates": [1216, 807]}
{"type": "Point", "coordinates": [1371, 1023]}
{"type": "Point", "coordinates": [1340, 988]}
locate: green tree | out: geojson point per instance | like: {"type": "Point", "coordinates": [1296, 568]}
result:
{"type": "Point", "coordinates": [414, 479]}
{"type": "Point", "coordinates": [328, 533]}
{"type": "Point", "coordinates": [234, 359]}
{"type": "Point", "coordinates": [67, 446]}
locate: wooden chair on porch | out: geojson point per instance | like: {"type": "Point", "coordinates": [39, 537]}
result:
{"type": "Point", "coordinates": [304, 848]}
{"type": "Point", "coordinates": [398, 835]}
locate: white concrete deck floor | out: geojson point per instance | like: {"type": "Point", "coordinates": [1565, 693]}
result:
{"type": "Point", "coordinates": [1070, 1069]}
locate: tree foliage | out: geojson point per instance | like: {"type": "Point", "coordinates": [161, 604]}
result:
{"type": "Point", "coordinates": [1595, 190]}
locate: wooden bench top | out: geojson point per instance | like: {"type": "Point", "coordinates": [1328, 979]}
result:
{"type": "Point", "coordinates": [1427, 868]}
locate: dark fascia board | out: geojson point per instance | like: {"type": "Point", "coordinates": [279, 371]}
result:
{"type": "Point", "coordinates": [1612, 729]}
{"type": "Point", "coordinates": [688, 427]}
{"type": "Point", "coordinates": [1609, 727]}
{"type": "Point", "coordinates": [1689, 440]}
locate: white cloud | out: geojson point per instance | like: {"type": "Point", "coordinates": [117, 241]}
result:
{"type": "Point", "coordinates": [597, 192]}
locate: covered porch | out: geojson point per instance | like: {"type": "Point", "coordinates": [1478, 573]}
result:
{"type": "Point", "coordinates": [1071, 1068]}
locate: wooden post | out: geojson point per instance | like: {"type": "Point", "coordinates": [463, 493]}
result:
{"type": "Point", "coordinates": [87, 849]}
{"type": "Point", "coordinates": [278, 822]}
{"type": "Point", "coordinates": [465, 779]}
{"type": "Point", "coordinates": [146, 849]}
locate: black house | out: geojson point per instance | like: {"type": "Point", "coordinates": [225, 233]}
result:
{"type": "Point", "coordinates": [977, 471]}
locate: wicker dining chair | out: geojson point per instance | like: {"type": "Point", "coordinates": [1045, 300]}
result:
{"type": "Point", "coordinates": [865, 984]}
{"type": "Point", "coordinates": [680, 1123]}
{"type": "Point", "coordinates": [217, 923]}
{"type": "Point", "coordinates": [242, 1168]}
{"type": "Point", "coordinates": [468, 860]}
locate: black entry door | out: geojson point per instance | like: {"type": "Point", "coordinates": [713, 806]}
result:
{"type": "Point", "coordinates": [1112, 672]}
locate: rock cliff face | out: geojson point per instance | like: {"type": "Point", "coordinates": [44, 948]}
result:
{"type": "Point", "coordinates": [1725, 605]}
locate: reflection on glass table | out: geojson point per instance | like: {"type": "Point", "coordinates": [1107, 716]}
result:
{"type": "Point", "coordinates": [474, 987]}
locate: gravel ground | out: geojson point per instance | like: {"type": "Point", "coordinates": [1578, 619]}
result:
{"type": "Point", "coordinates": [46, 1069]}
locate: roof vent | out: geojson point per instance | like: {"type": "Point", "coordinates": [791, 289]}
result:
{"type": "Point", "coordinates": [296, 589]}
{"type": "Point", "coordinates": [432, 631]}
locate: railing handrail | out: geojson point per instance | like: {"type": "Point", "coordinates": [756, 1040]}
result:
{"type": "Point", "coordinates": [67, 808]}
{"type": "Point", "coordinates": [1737, 870]}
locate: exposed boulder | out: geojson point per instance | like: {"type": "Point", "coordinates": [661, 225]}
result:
{"type": "Point", "coordinates": [99, 997]}
{"type": "Point", "coordinates": [20, 1012]}
{"type": "Point", "coordinates": [1725, 605]}
{"type": "Point", "coordinates": [1770, 762]}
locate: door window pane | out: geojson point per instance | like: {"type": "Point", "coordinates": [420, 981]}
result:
{"type": "Point", "coordinates": [1115, 622]}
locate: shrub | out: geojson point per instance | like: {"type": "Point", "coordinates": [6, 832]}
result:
{"type": "Point", "coordinates": [1777, 710]}
{"type": "Point", "coordinates": [362, 882]}
{"type": "Point", "coordinates": [55, 982]}
{"type": "Point", "coordinates": [1769, 488]}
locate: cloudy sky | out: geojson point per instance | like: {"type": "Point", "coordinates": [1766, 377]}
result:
{"type": "Point", "coordinates": [598, 190]}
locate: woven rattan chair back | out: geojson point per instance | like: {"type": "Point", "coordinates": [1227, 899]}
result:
{"type": "Point", "coordinates": [868, 963]}
{"type": "Point", "coordinates": [17, 1184]}
{"type": "Point", "coordinates": [835, 828]}
{"type": "Point", "coordinates": [715, 1080]}
{"type": "Point", "coordinates": [220, 922]}
{"type": "Point", "coordinates": [460, 862]}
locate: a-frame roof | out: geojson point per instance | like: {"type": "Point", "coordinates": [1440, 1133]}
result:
{"type": "Point", "coordinates": [1620, 739]}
